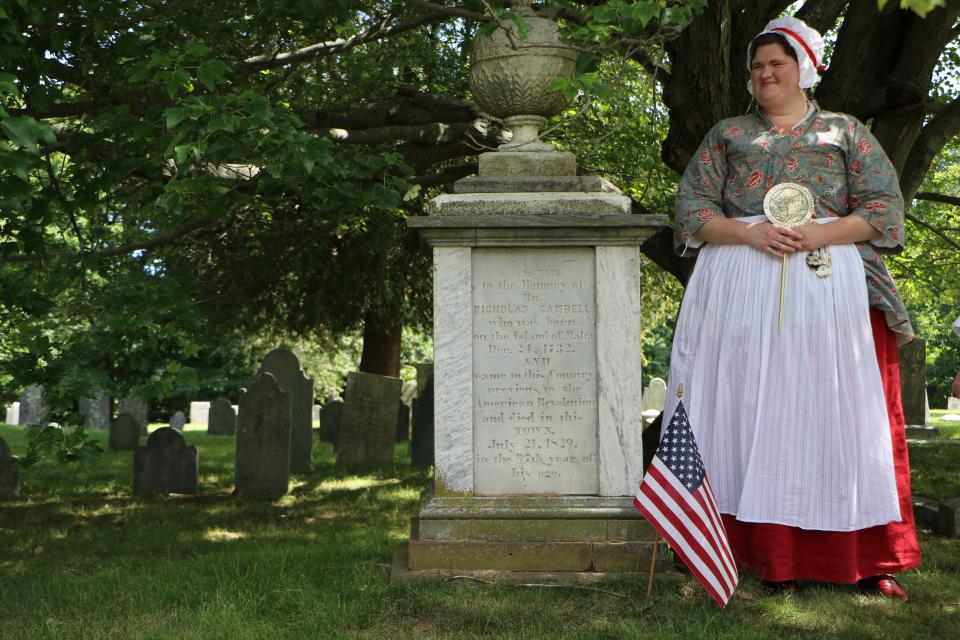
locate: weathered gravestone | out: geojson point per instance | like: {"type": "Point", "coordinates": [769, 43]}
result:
{"type": "Point", "coordinates": [137, 409]}
{"type": "Point", "coordinates": [33, 411]}
{"type": "Point", "coordinates": [403, 422]}
{"type": "Point", "coordinates": [654, 397]}
{"type": "Point", "coordinates": [167, 464]}
{"type": "Point", "coordinates": [222, 419]}
{"type": "Point", "coordinates": [369, 426]}
{"type": "Point", "coordinates": [331, 415]}
{"type": "Point", "coordinates": [953, 403]}
{"type": "Point", "coordinates": [285, 367]}
{"type": "Point", "coordinates": [177, 422]}
{"type": "Point", "coordinates": [96, 411]}
{"type": "Point", "coordinates": [315, 415]}
{"type": "Point", "coordinates": [263, 440]}
{"type": "Point", "coordinates": [421, 440]}
{"type": "Point", "coordinates": [9, 473]}
{"type": "Point", "coordinates": [913, 380]}
{"type": "Point", "coordinates": [13, 413]}
{"type": "Point", "coordinates": [124, 433]}
{"type": "Point", "coordinates": [949, 518]}
{"type": "Point", "coordinates": [199, 412]}
{"type": "Point", "coordinates": [424, 374]}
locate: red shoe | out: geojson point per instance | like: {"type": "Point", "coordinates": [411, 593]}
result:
{"type": "Point", "coordinates": [886, 585]}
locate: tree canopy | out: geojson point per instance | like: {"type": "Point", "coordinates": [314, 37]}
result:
{"type": "Point", "coordinates": [181, 181]}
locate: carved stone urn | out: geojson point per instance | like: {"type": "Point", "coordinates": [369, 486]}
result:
{"type": "Point", "coordinates": [510, 76]}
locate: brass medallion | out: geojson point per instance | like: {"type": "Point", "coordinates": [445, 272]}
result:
{"type": "Point", "coordinates": [788, 204]}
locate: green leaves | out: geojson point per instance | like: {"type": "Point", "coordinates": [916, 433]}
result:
{"type": "Point", "coordinates": [920, 7]}
{"type": "Point", "coordinates": [213, 73]}
{"type": "Point", "coordinates": [26, 132]}
{"type": "Point", "coordinates": [71, 445]}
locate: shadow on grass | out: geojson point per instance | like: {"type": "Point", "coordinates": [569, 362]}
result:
{"type": "Point", "coordinates": [81, 558]}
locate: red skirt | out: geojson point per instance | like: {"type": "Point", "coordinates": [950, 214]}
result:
{"type": "Point", "coordinates": [778, 552]}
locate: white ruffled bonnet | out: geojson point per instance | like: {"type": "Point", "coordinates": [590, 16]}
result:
{"type": "Point", "coordinates": [807, 43]}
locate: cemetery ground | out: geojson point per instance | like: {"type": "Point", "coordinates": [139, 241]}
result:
{"type": "Point", "coordinates": [81, 558]}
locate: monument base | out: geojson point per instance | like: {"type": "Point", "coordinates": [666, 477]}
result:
{"type": "Point", "coordinates": [523, 538]}
{"type": "Point", "coordinates": [402, 573]}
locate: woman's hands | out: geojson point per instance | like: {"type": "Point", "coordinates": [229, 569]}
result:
{"type": "Point", "coordinates": [772, 238]}
{"type": "Point", "coordinates": [779, 241]}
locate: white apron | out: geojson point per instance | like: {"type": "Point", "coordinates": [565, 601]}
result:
{"type": "Point", "coordinates": [792, 424]}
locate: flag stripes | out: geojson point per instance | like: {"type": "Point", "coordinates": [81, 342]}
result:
{"type": "Point", "coordinates": [677, 499]}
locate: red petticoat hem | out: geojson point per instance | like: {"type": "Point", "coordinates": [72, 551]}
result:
{"type": "Point", "coordinates": [778, 552]}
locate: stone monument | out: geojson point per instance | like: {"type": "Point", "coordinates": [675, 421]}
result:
{"type": "Point", "coordinates": [421, 436]}
{"type": "Point", "coordinates": [124, 433]}
{"type": "Point", "coordinates": [369, 424]}
{"type": "Point", "coordinates": [222, 420]}
{"type": "Point", "coordinates": [331, 414]}
{"type": "Point", "coordinates": [9, 472]}
{"type": "Point", "coordinates": [167, 464]}
{"type": "Point", "coordinates": [403, 421]}
{"type": "Point", "coordinates": [263, 440]}
{"type": "Point", "coordinates": [177, 422]}
{"type": "Point", "coordinates": [96, 411]}
{"type": "Point", "coordinates": [33, 409]}
{"type": "Point", "coordinates": [654, 399]}
{"type": "Point", "coordinates": [285, 367]}
{"type": "Point", "coordinates": [537, 393]}
{"type": "Point", "coordinates": [199, 412]}
{"type": "Point", "coordinates": [913, 381]}
{"type": "Point", "coordinates": [13, 413]}
{"type": "Point", "coordinates": [138, 410]}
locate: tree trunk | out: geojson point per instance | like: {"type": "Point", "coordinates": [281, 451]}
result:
{"type": "Point", "coordinates": [381, 349]}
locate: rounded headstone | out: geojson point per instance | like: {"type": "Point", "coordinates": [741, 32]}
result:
{"type": "Point", "coordinates": [124, 433]}
{"type": "Point", "coordinates": [263, 440]}
{"type": "Point", "coordinates": [178, 420]}
{"type": "Point", "coordinates": [285, 367]}
{"type": "Point", "coordinates": [222, 419]}
{"type": "Point", "coordinates": [166, 464]}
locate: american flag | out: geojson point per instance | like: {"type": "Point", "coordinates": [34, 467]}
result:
{"type": "Point", "coordinates": [676, 498]}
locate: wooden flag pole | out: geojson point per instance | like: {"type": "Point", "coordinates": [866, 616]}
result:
{"type": "Point", "coordinates": [653, 563]}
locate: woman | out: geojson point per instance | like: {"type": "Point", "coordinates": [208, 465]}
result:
{"type": "Point", "coordinates": [800, 426]}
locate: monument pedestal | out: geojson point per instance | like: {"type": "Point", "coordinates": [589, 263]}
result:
{"type": "Point", "coordinates": [538, 416]}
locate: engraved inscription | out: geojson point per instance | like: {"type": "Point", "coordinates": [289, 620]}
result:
{"type": "Point", "coordinates": [534, 376]}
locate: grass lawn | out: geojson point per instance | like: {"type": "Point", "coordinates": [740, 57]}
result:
{"type": "Point", "coordinates": [948, 430]}
{"type": "Point", "coordinates": [81, 558]}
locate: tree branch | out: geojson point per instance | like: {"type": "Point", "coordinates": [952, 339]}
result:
{"type": "Point", "coordinates": [937, 197]}
{"type": "Point", "coordinates": [377, 31]}
{"type": "Point", "coordinates": [433, 7]}
{"type": "Point", "coordinates": [932, 139]}
{"type": "Point", "coordinates": [432, 133]}
{"type": "Point", "coordinates": [156, 241]}
{"type": "Point", "coordinates": [914, 219]}
{"type": "Point", "coordinates": [821, 14]}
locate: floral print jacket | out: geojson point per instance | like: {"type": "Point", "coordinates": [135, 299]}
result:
{"type": "Point", "coordinates": [833, 154]}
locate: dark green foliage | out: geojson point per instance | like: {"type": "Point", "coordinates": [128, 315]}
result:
{"type": "Point", "coordinates": [72, 445]}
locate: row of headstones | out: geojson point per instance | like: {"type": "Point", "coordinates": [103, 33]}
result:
{"type": "Point", "coordinates": [267, 442]}
{"type": "Point", "coordinates": [30, 409]}
{"type": "Point", "coordinates": [277, 439]}
{"type": "Point", "coordinates": [367, 432]}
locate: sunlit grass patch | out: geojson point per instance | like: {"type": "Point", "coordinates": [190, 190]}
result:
{"type": "Point", "coordinates": [223, 535]}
